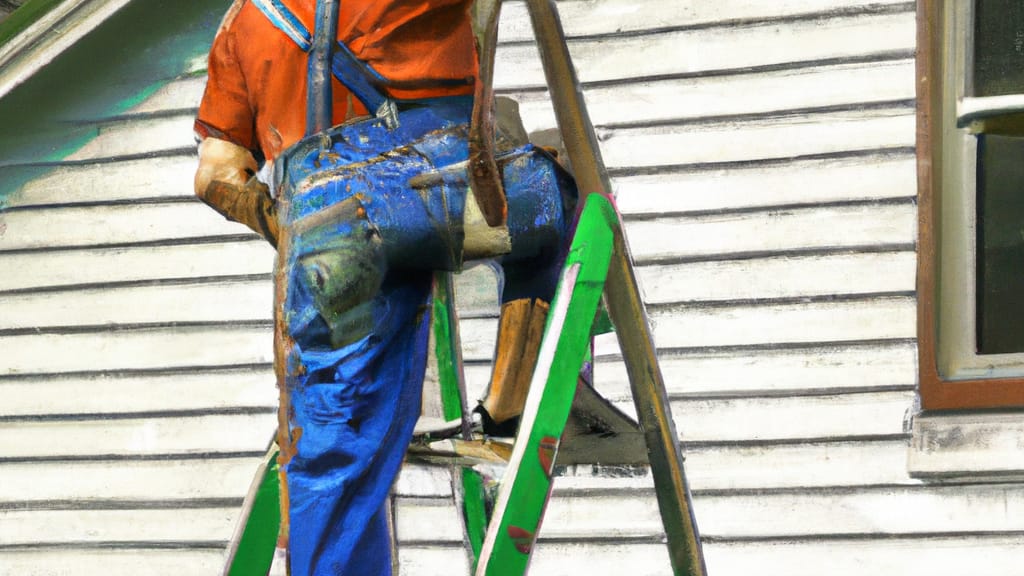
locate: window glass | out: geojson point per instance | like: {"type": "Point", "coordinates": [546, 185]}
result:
{"type": "Point", "coordinates": [1000, 256]}
{"type": "Point", "coordinates": [998, 47]}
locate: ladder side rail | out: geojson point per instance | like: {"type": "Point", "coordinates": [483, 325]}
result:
{"type": "Point", "coordinates": [251, 548]}
{"type": "Point", "coordinates": [622, 298]}
{"type": "Point", "coordinates": [448, 342]}
{"type": "Point", "coordinates": [526, 485]}
{"type": "Point", "coordinates": [467, 483]}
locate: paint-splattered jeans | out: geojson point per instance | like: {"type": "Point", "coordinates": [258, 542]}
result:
{"type": "Point", "coordinates": [356, 292]}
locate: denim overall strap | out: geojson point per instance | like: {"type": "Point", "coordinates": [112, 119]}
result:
{"type": "Point", "coordinates": [359, 77]}
{"type": "Point", "coordinates": [319, 97]}
{"type": "Point", "coordinates": [285, 21]}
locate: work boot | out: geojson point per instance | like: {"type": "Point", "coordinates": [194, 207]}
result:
{"type": "Point", "coordinates": [520, 329]}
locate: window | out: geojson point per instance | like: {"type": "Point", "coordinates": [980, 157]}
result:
{"type": "Point", "coordinates": [971, 203]}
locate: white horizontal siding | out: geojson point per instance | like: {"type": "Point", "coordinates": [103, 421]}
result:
{"type": "Point", "coordinates": [806, 135]}
{"type": "Point", "coordinates": [790, 323]}
{"type": "Point", "coordinates": [801, 370]}
{"type": "Point", "coordinates": [223, 301]}
{"type": "Point", "coordinates": [718, 48]}
{"type": "Point", "coordinates": [779, 277]}
{"type": "Point", "coordinates": [852, 557]}
{"type": "Point", "coordinates": [138, 436]}
{"type": "Point", "coordinates": [113, 562]}
{"type": "Point", "coordinates": [432, 560]}
{"type": "Point", "coordinates": [139, 392]}
{"type": "Point", "coordinates": [90, 265]}
{"type": "Point", "coordinates": [901, 510]}
{"type": "Point", "coordinates": [593, 17]}
{"type": "Point", "coordinates": [137, 349]}
{"type": "Point", "coordinates": [162, 177]}
{"type": "Point", "coordinates": [139, 136]}
{"type": "Point", "coordinates": [785, 229]}
{"type": "Point", "coordinates": [769, 466]}
{"type": "Point", "coordinates": [798, 183]}
{"type": "Point", "coordinates": [182, 94]}
{"type": "Point", "coordinates": [28, 484]}
{"type": "Point", "coordinates": [791, 418]}
{"type": "Point", "coordinates": [691, 99]}
{"type": "Point", "coordinates": [757, 515]}
{"type": "Point", "coordinates": [927, 556]}
{"type": "Point", "coordinates": [98, 225]}
{"type": "Point", "coordinates": [750, 325]}
{"type": "Point", "coordinates": [56, 527]}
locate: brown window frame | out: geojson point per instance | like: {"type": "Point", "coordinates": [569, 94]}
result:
{"type": "Point", "coordinates": [938, 393]}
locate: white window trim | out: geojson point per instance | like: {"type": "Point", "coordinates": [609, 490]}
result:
{"type": "Point", "coordinates": [980, 446]}
{"type": "Point", "coordinates": [970, 109]}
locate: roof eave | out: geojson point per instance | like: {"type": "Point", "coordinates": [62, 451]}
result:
{"type": "Point", "coordinates": [47, 37]}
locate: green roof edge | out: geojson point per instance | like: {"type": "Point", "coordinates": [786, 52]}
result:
{"type": "Point", "coordinates": [27, 14]}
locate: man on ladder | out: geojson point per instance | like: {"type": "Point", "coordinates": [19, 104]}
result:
{"type": "Point", "coordinates": [251, 112]}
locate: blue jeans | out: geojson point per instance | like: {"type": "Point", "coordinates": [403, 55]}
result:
{"type": "Point", "coordinates": [357, 314]}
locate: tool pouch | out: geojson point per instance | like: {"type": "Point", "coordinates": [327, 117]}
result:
{"type": "Point", "coordinates": [390, 191]}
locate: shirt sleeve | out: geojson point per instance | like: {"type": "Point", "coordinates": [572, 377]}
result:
{"type": "Point", "coordinates": [225, 111]}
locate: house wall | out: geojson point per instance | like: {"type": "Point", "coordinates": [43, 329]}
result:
{"type": "Point", "coordinates": [763, 158]}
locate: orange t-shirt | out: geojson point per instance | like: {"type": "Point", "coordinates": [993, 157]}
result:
{"type": "Point", "coordinates": [256, 91]}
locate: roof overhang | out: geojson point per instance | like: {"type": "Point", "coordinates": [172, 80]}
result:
{"type": "Point", "coordinates": [50, 35]}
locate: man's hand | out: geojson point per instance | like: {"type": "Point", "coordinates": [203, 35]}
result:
{"type": "Point", "coordinates": [225, 181]}
{"type": "Point", "coordinates": [224, 161]}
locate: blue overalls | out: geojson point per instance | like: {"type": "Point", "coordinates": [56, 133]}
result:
{"type": "Point", "coordinates": [358, 339]}
{"type": "Point", "coordinates": [359, 245]}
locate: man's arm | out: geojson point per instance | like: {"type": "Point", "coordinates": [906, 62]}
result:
{"type": "Point", "coordinates": [226, 182]}
{"type": "Point", "coordinates": [226, 125]}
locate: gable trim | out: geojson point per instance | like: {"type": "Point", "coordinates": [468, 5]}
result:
{"type": "Point", "coordinates": [34, 47]}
